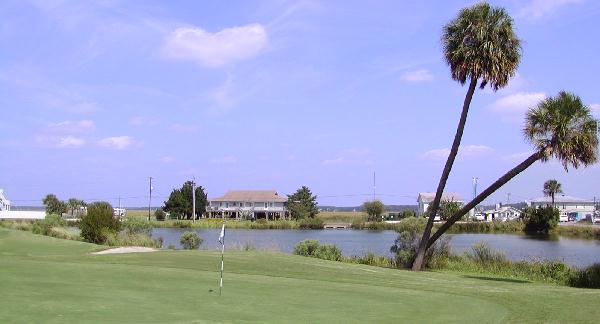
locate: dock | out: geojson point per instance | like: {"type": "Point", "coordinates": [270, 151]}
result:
{"type": "Point", "coordinates": [337, 226]}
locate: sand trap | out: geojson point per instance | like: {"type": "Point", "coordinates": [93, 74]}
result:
{"type": "Point", "coordinates": [127, 249]}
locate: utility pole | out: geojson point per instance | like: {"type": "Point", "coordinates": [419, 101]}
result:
{"type": "Point", "coordinates": [374, 187]}
{"type": "Point", "coordinates": [475, 180]}
{"type": "Point", "coordinates": [150, 198]}
{"type": "Point", "coordinates": [508, 198]}
{"type": "Point", "coordinates": [194, 200]}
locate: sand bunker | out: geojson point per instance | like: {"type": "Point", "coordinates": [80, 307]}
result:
{"type": "Point", "coordinates": [127, 249]}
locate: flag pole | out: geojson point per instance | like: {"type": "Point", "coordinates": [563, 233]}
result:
{"type": "Point", "coordinates": [222, 240]}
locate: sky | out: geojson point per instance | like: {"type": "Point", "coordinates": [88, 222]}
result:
{"type": "Point", "coordinates": [97, 96]}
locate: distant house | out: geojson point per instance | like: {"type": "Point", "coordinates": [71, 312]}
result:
{"type": "Point", "coordinates": [4, 203]}
{"type": "Point", "coordinates": [254, 204]}
{"type": "Point", "coordinates": [570, 208]}
{"type": "Point", "coordinates": [501, 213]}
{"type": "Point", "coordinates": [425, 198]}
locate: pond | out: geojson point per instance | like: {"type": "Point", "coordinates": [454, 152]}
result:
{"type": "Point", "coordinates": [575, 252]}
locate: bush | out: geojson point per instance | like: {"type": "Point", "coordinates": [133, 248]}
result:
{"type": "Point", "coordinates": [312, 248]}
{"type": "Point", "coordinates": [98, 222]}
{"type": "Point", "coordinates": [406, 245]}
{"type": "Point", "coordinates": [541, 219]}
{"type": "Point", "coordinates": [482, 254]}
{"type": "Point", "coordinates": [131, 239]}
{"type": "Point", "coordinates": [328, 252]}
{"type": "Point", "coordinates": [586, 278]}
{"type": "Point", "coordinates": [372, 259]}
{"type": "Point", "coordinates": [190, 241]}
{"type": "Point", "coordinates": [45, 225]}
{"type": "Point", "coordinates": [306, 247]}
{"type": "Point", "coordinates": [160, 214]}
{"type": "Point", "coordinates": [135, 225]}
{"type": "Point", "coordinates": [310, 223]}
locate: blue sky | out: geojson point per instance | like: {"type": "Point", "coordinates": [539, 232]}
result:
{"type": "Point", "coordinates": [95, 97]}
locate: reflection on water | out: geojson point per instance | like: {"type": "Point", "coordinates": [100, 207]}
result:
{"type": "Point", "coordinates": [356, 242]}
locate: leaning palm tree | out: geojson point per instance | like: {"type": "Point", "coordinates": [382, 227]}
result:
{"type": "Point", "coordinates": [562, 128]}
{"type": "Point", "coordinates": [481, 47]}
{"type": "Point", "coordinates": [552, 187]}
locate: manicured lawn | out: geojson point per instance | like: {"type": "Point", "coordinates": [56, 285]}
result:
{"type": "Point", "coordinates": [43, 279]}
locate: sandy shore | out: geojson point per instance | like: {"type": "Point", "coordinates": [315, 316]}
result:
{"type": "Point", "coordinates": [127, 249]}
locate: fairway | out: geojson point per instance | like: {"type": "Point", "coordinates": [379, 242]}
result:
{"type": "Point", "coordinates": [43, 279]}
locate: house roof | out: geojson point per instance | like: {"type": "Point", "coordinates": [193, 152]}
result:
{"type": "Point", "coordinates": [429, 196]}
{"type": "Point", "coordinates": [562, 199]}
{"type": "Point", "coordinates": [251, 196]}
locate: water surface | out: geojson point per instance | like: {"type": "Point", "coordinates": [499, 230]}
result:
{"type": "Point", "coordinates": [574, 252]}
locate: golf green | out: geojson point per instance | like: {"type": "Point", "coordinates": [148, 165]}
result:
{"type": "Point", "coordinates": [43, 279]}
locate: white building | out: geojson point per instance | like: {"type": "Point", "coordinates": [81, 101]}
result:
{"type": "Point", "coordinates": [501, 213]}
{"type": "Point", "coordinates": [570, 208]}
{"type": "Point", "coordinates": [425, 198]}
{"type": "Point", "coordinates": [253, 204]}
{"type": "Point", "coordinates": [4, 203]}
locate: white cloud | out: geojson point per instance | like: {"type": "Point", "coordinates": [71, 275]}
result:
{"type": "Point", "coordinates": [222, 48]}
{"type": "Point", "coordinates": [417, 76]}
{"type": "Point", "coordinates": [222, 95]}
{"type": "Point", "coordinates": [467, 151]}
{"type": "Point", "coordinates": [517, 156]}
{"type": "Point", "coordinates": [71, 127]}
{"type": "Point", "coordinates": [513, 107]}
{"type": "Point", "coordinates": [117, 142]}
{"type": "Point", "coordinates": [60, 141]}
{"type": "Point", "coordinates": [167, 159]}
{"type": "Point", "coordinates": [224, 160]}
{"type": "Point", "coordinates": [538, 9]}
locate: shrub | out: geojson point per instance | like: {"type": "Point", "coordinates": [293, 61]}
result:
{"type": "Point", "coordinates": [328, 252]}
{"type": "Point", "coordinates": [482, 254]}
{"type": "Point", "coordinates": [586, 278]}
{"type": "Point", "coordinates": [190, 241]}
{"type": "Point", "coordinates": [406, 245]}
{"type": "Point", "coordinates": [160, 214]}
{"type": "Point", "coordinates": [372, 259]}
{"type": "Point", "coordinates": [131, 239]}
{"type": "Point", "coordinates": [98, 222]}
{"type": "Point", "coordinates": [306, 247]}
{"type": "Point", "coordinates": [45, 225]}
{"type": "Point", "coordinates": [310, 223]}
{"type": "Point", "coordinates": [135, 225]}
{"type": "Point", "coordinates": [541, 219]}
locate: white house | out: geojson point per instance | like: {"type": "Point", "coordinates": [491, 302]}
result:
{"type": "Point", "coordinates": [425, 198]}
{"type": "Point", "coordinates": [570, 208]}
{"type": "Point", "coordinates": [4, 203]}
{"type": "Point", "coordinates": [501, 213]}
{"type": "Point", "coordinates": [253, 204]}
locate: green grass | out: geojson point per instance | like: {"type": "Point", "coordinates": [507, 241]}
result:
{"type": "Point", "coordinates": [44, 279]}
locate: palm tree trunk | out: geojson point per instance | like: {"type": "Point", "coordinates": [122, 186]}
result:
{"type": "Point", "coordinates": [435, 205]}
{"type": "Point", "coordinates": [484, 194]}
{"type": "Point", "coordinates": [552, 194]}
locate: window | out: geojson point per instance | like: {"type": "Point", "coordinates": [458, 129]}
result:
{"type": "Point", "coordinates": [266, 205]}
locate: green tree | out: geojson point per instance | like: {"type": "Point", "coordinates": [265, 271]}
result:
{"type": "Point", "coordinates": [540, 219]}
{"type": "Point", "coordinates": [374, 209]}
{"type": "Point", "coordinates": [407, 213]}
{"type": "Point", "coordinates": [98, 223]}
{"type": "Point", "coordinates": [54, 205]}
{"type": "Point", "coordinates": [302, 204]}
{"type": "Point", "coordinates": [448, 208]}
{"type": "Point", "coordinates": [552, 187]}
{"type": "Point", "coordinates": [74, 204]}
{"type": "Point", "coordinates": [180, 201]}
{"type": "Point", "coordinates": [480, 46]}
{"type": "Point", "coordinates": [561, 127]}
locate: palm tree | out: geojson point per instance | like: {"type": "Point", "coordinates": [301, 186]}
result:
{"type": "Point", "coordinates": [73, 204]}
{"type": "Point", "coordinates": [561, 127]}
{"type": "Point", "coordinates": [480, 46]}
{"type": "Point", "coordinates": [552, 187]}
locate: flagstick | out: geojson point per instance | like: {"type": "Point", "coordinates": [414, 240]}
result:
{"type": "Point", "coordinates": [222, 253]}
{"type": "Point", "coordinates": [222, 240]}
